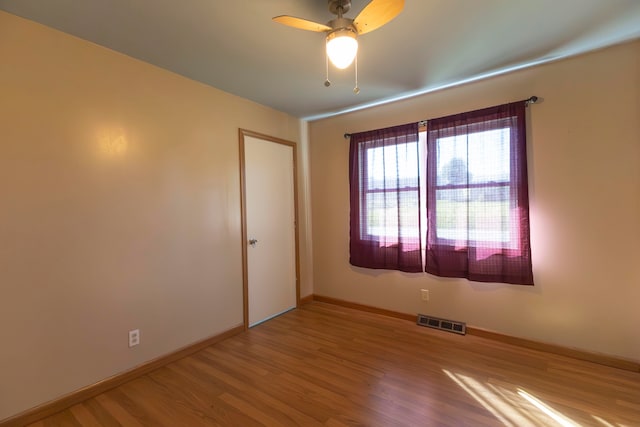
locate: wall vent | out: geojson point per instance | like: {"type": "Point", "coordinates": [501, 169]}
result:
{"type": "Point", "coordinates": [443, 324]}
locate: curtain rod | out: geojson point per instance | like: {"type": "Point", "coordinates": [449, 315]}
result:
{"type": "Point", "coordinates": [531, 100]}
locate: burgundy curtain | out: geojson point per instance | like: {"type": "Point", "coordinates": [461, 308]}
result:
{"type": "Point", "coordinates": [384, 183]}
{"type": "Point", "coordinates": [477, 196]}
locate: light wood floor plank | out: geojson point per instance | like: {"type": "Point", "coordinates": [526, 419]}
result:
{"type": "Point", "coordinates": [119, 413]}
{"type": "Point", "coordinates": [326, 365]}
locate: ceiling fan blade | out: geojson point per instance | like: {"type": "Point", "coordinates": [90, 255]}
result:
{"type": "Point", "coordinates": [376, 14]}
{"type": "Point", "coordinates": [301, 24]}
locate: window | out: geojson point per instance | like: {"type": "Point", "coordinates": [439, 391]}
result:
{"type": "Point", "coordinates": [476, 192]}
{"type": "Point", "coordinates": [385, 199]}
{"type": "Point", "coordinates": [472, 193]}
{"type": "Point", "coordinates": [477, 196]}
{"type": "Point", "coordinates": [390, 193]}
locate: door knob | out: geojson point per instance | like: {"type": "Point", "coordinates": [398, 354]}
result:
{"type": "Point", "coordinates": [253, 242]}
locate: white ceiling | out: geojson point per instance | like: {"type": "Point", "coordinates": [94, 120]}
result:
{"type": "Point", "coordinates": [234, 45]}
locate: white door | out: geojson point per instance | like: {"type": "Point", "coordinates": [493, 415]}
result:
{"type": "Point", "coordinates": [270, 228]}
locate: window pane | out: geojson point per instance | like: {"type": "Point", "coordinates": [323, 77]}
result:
{"type": "Point", "coordinates": [474, 214]}
{"type": "Point", "coordinates": [477, 157]}
{"type": "Point", "coordinates": [383, 215]}
{"type": "Point", "coordinates": [397, 165]}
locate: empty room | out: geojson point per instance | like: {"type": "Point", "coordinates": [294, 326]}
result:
{"type": "Point", "coordinates": [320, 213]}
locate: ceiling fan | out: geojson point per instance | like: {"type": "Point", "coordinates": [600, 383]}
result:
{"type": "Point", "coordinates": [342, 33]}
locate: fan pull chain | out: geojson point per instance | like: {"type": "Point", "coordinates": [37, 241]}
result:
{"type": "Point", "coordinates": [327, 83]}
{"type": "Point", "coordinates": [356, 89]}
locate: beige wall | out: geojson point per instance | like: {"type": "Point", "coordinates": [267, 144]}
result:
{"type": "Point", "coordinates": [119, 209]}
{"type": "Point", "coordinates": [584, 159]}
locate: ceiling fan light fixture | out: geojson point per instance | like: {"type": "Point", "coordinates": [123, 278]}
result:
{"type": "Point", "coordinates": [342, 47]}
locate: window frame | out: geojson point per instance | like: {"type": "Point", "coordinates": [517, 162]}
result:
{"type": "Point", "coordinates": [511, 245]}
{"type": "Point", "coordinates": [364, 164]}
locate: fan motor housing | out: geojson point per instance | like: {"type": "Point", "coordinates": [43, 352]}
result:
{"type": "Point", "coordinates": [342, 24]}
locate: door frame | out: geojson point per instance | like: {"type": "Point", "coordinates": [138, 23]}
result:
{"type": "Point", "coordinates": [242, 133]}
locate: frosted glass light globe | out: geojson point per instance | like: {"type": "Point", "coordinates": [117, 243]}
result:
{"type": "Point", "coordinates": [342, 47]}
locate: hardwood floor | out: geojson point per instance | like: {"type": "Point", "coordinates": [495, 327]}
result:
{"type": "Point", "coordinates": [325, 365]}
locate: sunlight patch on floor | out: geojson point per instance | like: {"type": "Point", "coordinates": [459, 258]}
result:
{"type": "Point", "coordinates": [498, 407]}
{"type": "Point", "coordinates": [603, 422]}
{"type": "Point", "coordinates": [555, 415]}
{"type": "Point", "coordinates": [517, 407]}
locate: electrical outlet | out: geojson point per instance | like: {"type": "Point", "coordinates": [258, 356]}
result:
{"type": "Point", "coordinates": [424, 293]}
{"type": "Point", "coordinates": [134, 337]}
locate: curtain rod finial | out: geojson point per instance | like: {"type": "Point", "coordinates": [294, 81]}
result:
{"type": "Point", "coordinates": [347, 135]}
